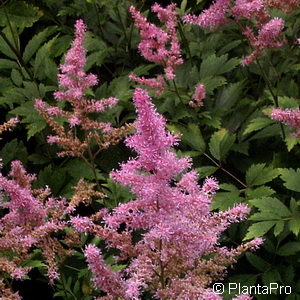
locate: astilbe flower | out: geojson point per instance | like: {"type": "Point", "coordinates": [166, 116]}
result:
{"type": "Point", "coordinates": [172, 218]}
{"type": "Point", "coordinates": [74, 83]}
{"type": "Point", "coordinates": [29, 218]}
{"type": "Point", "coordinates": [257, 12]}
{"type": "Point", "coordinates": [287, 5]}
{"type": "Point", "coordinates": [289, 117]}
{"type": "Point", "coordinates": [198, 96]}
{"type": "Point", "coordinates": [212, 17]}
{"type": "Point", "coordinates": [266, 39]}
{"type": "Point", "coordinates": [7, 126]}
{"type": "Point", "coordinates": [158, 45]}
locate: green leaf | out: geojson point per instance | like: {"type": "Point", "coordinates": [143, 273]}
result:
{"type": "Point", "coordinates": [257, 262]}
{"type": "Point", "coordinates": [16, 77]}
{"type": "Point", "coordinates": [49, 176]}
{"type": "Point", "coordinates": [290, 248]}
{"type": "Point", "coordinates": [35, 43]}
{"type": "Point", "coordinates": [259, 229]}
{"type": "Point", "coordinates": [271, 276]}
{"type": "Point", "coordinates": [278, 227]}
{"type": "Point", "coordinates": [260, 174]}
{"type": "Point", "coordinates": [13, 150]}
{"type": "Point", "coordinates": [220, 143]}
{"type": "Point", "coordinates": [40, 61]}
{"type": "Point", "coordinates": [77, 168]}
{"type": "Point", "coordinates": [34, 264]}
{"type": "Point", "coordinates": [19, 13]}
{"type": "Point", "coordinates": [206, 171]}
{"type": "Point", "coordinates": [183, 5]}
{"type": "Point", "coordinates": [291, 142]}
{"type": "Point", "coordinates": [213, 65]}
{"type": "Point", "coordinates": [262, 191]}
{"type": "Point", "coordinates": [193, 137]}
{"type": "Point", "coordinates": [294, 225]}
{"type": "Point", "coordinates": [7, 64]}
{"type": "Point", "coordinates": [257, 124]}
{"type": "Point", "coordinates": [35, 122]}
{"type": "Point", "coordinates": [291, 179]}
{"type": "Point", "coordinates": [225, 200]}
{"type": "Point", "coordinates": [229, 95]}
{"type": "Point", "coordinates": [213, 82]}
{"type": "Point", "coordinates": [266, 132]}
{"type": "Point", "coordinates": [272, 205]}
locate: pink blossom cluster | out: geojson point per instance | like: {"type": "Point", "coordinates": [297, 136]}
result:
{"type": "Point", "coordinates": [212, 17]}
{"type": "Point", "coordinates": [266, 39]}
{"type": "Point", "coordinates": [289, 117]}
{"type": "Point", "coordinates": [256, 11]}
{"type": "Point", "coordinates": [158, 45]}
{"type": "Point", "coordinates": [29, 218]}
{"type": "Point", "coordinates": [172, 217]}
{"type": "Point", "coordinates": [74, 83]}
{"type": "Point", "coordinates": [198, 96]}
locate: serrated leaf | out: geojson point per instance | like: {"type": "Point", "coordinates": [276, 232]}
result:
{"type": "Point", "coordinates": [35, 122]}
{"type": "Point", "coordinates": [49, 176]}
{"type": "Point", "coordinates": [220, 143]}
{"type": "Point", "coordinates": [40, 63]}
{"type": "Point", "coordinates": [7, 64]}
{"type": "Point", "coordinates": [206, 171]}
{"type": "Point", "coordinates": [291, 179]}
{"type": "Point", "coordinates": [272, 205]}
{"type": "Point", "coordinates": [34, 44]}
{"type": "Point", "coordinates": [290, 248]}
{"type": "Point", "coordinates": [213, 65]}
{"type": "Point", "coordinates": [259, 229]}
{"type": "Point", "coordinates": [260, 174]}
{"type": "Point", "coordinates": [193, 137]}
{"type": "Point", "coordinates": [291, 142]}
{"type": "Point", "coordinates": [225, 200]}
{"type": "Point", "coordinates": [213, 82]}
{"type": "Point", "coordinates": [294, 225]}
{"type": "Point", "coordinates": [266, 132]}
{"type": "Point", "coordinates": [19, 13]}
{"type": "Point", "coordinates": [262, 191]}
{"type": "Point", "coordinates": [34, 264]}
{"type": "Point", "coordinates": [13, 150]}
{"type": "Point", "coordinates": [229, 95]}
{"type": "Point", "coordinates": [16, 77]}
{"type": "Point", "coordinates": [278, 227]}
{"type": "Point", "coordinates": [257, 124]}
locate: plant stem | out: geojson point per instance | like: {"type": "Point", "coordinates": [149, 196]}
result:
{"type": "Point", "coordinates": [224, 170]}
{"type": "Point", "coordinates": [186, 44]}
{"type": "Point", "coordinates": [177, 92]}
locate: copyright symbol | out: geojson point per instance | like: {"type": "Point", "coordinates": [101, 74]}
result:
{"type": "Point", "coordinates": [218, 288]}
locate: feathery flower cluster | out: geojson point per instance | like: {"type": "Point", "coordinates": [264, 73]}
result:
{"type": "Point", "coordinates": [286, 6]}
{"type": "Point", "coordinates": [266, 39]}
{"type": "Point", "coordinates": [158, 45]}
{"type": "Point", "coordinates": [288, 117]}
{"type": "Point", "coordinates": [256, 11]}
{"type": "Point", "coordinates": [172, 218]}
{"type": "Point", "coordinates": [198, 96]}
{"type": "Point", "coordinates": [75, 83]}
{"type": "Point", "coordinates": [31, 217]}
{"type": "Point", "coordinates": [11, 123]}
{"type": "Point", "coordinates": [212, 17]}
